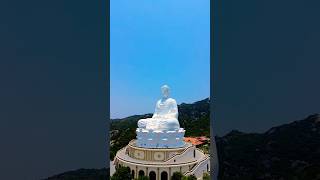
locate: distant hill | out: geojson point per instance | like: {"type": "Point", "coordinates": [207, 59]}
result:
{"type": "Point", "coordinates": [195, 118]}
{"type": "Point", "coordinates": [287, 152]}
{"type": "Point", "coordinates": [83, 174]}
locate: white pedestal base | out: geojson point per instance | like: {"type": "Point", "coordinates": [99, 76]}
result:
{"type": "Point", "coordinates": [160, 139]}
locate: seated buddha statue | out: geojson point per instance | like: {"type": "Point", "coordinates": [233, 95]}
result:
{"type": "Point", "coordinates": [165, 116]}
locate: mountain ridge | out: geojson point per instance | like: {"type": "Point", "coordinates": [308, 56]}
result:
{"type": "Point", "coordinates": [288, 151]}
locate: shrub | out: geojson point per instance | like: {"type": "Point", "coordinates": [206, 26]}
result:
{"type": "Point", "coordinates": [122, 173]}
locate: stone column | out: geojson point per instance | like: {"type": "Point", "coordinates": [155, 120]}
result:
{"type": "Point", "coordinates": [136, 174]}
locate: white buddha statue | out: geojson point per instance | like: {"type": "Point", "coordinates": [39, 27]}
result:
{"type": "Point", "coordinates": [165, 116]}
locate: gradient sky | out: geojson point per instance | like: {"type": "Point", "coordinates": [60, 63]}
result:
{"type": "Point", "coordinates": [155, 43]}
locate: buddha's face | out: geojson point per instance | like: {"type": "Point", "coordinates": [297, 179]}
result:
{"type": "Point", "coordinates": [165, 91]}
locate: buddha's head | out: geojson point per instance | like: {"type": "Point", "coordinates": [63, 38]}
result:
{"type": "Point", "coordinates": [165, 91]}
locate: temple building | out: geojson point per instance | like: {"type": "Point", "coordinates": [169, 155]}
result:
{"type": "Point", "coordinates": [159, 149]}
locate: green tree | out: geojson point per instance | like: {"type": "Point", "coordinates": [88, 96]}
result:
{"type": "Point", "coordinates": [143, 178]}
{"type": "Point", "coordinates": [206, 176]}
{"type": "Point", "coordinates": [122, 173]}
{"type": "Point", "coordinates": [192, 177]}
{"type": "Point", "coordinates": [177, 176]}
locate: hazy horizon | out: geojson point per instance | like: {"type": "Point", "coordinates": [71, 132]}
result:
{"type": "Point", "coordinates": [179, 103]}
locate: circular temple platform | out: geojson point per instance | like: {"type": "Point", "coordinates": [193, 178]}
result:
{"type": "Point", "coordinates": [161, 163]}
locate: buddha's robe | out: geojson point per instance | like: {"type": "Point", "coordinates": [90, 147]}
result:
{"type": "Point", "coordinates": [165, 116]}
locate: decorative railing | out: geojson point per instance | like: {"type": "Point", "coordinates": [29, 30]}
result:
{"type": "Point", "coordinates": [180, 154]}
{"type": "Point", "coordinates": [131, 144]}
{"type": "Point", "coordinates": [156, 164]}
{"type": "Point", "coordinates": [195, 167]}
{"type": "Point", "coordinates": [120, 151]}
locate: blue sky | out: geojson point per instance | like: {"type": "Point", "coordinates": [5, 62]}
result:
{"type": "Point", "coordinates": [155, 43]}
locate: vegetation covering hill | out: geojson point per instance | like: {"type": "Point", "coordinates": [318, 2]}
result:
{"type": "Point", "coordinates": [83, 174]}
{"type": "Point", "coordinates": [287, 152]}
{"type": "Point", "coordinates": [195, 118]}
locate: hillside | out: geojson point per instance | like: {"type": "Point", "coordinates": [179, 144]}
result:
{"type": "Point", "coordinates": [286, 152]}
{"type": "Point", "coordinates": [82, 174]}
{"type": "Point", "coordinates": [193, 117]}
{"type": "Point", "coordinates": [290, 151]}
